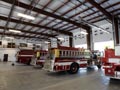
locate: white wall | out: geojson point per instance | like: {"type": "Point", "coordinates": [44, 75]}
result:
{"type": "Point", "coordinates": [103, 37]}
{"type": "Point", "coordinates": [79, 41]}
{"type": "Point", "coordinates": [11, 53]}
{"type": "Point", "coordinates": [96, 38]}
{"type": "Point", "coordinates": [64, 42]}
{"type": "Point", "coordinates": [4, 42]}
{"type": "Point", "coordinates": [53, 43]}
{"type": "Point", "coordinates": [17, 41]}
{"type": "Point", "coordinates": [44, 46]}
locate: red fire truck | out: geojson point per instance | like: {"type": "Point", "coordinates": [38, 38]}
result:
{"type": "Point", "coordinates": [111, 62]}
{"type": "Point", "coordinates": [27, 55]}
{"type": "Point", "coordinates": [67, 59]}
{"type": "Point", "coordinates": [24, 56]}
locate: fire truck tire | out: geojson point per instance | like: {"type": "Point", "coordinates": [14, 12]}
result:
{"type": "Point", "coordinates": [29, 61]}
{"type": "Point", "coordinates": [73, 68]}
{"type": "Point", "coordinates": [41, 65]}
{"type": "Point", "coordinates": [99, 66]}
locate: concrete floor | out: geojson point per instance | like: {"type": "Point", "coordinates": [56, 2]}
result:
{"type": "Point", "coordinates": [21, 77]}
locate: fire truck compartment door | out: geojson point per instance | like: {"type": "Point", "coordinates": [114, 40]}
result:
{"type": "Point", "coordinates": [114, 60]}
{"type": "Point", "coordinates": [117, 74]}
{"type": "Point", "coordinates": [48, 65]}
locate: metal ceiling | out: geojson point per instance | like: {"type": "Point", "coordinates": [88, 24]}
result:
{"type": "Point", "coordinates": [53, 17]}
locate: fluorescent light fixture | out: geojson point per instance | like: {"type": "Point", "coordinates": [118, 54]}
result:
{"type": "Point", "coordinates": [61, 39]}
{"type": "Point", "coordinates": [26, 16]}
{"type": "Point", "coordinates": [82, 32]}
{"type": "Point", "coordinates": [106, 31]}
{"type": "Point", "coordinates": [47, 42]}
{"type": "Point", "coordinates": [38, 44]}
{"type": "Point", "coordinates": [9, 37]}
{"type": "Point", "coordinates": [15, 31]}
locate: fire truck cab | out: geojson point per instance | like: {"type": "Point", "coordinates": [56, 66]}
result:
{"type": "Point", "coordinates": [111, 62]}
{"type": "Point", "coordinates": [67, 59]}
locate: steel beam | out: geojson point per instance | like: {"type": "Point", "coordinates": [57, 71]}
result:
{"type": "Point", "coordinates": [38, 13]}
{"type": "Point", "coordinates": [31, 32]}
{"type": "Point", "coordinates": [36, 25]}
{"type": "Point", "coordinates": [21, 17]}
{"type": "Point", "coordinates": [16, 35]}
{"type": "Point", "coordinates": [107, 14]}
{"type": "Point", "coordinates": [11, 12]}
{"type": "Point", "coordinates": [105, 8]}
{"type": "Point", "coordinates": [26, 6]}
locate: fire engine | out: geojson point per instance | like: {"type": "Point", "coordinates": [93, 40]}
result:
{"type": "Point", "coordinates": [67, 59]}
{"type": "Point", "coordinates": [111, 62]}
{"type": "Point", "coordinates": [24, 56]}
{"type": "Point", "coordinates": [27, 55]}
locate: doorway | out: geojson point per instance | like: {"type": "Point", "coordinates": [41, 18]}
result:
{"type": "Point", "coordinates": [5, 58]}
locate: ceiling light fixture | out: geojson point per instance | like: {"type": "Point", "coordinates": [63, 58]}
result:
{"type": "Point", "coordinates": [61, 39]}
{"type": "Point", "coordinates": [9, 37]}
{"type": "Point", "coordinates": [47, 42]}
{"type": "Point", "coordinates": [15, 31]}
{"type": "Point", "coordinates": [26, 16]}
{"type": "Point", "coordinates": [82, 32]}
{"type": "Point", "coordinates": [105, 31]}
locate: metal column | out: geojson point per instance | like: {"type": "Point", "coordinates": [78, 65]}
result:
{"type": "Point", "coordinates": [90, 40]}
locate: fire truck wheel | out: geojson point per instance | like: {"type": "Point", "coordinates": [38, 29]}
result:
{"type": "Point", "coordinates": [99, 66]}
{"type": "Point", "coordinates": [29, 61]}
{"type": "Point", "coordinates": [41, 65]}
{"type": "Point", "coordinates": [73, 68]}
